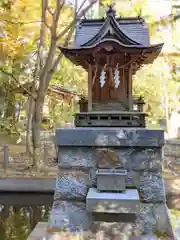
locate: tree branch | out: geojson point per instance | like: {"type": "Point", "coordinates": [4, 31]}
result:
{"type": "Point", "coordinates": [15, 79]}
{"type": "Point", "coordinates": [50, 11]}
{"type": "Point", "coordinates": [59, 7]}
{"type": "Point", "coordinates": [58, 59]}
{"type": "Point", "coordinates": [42, 34]}
{"type": "Point", "coordinates": [21, 23]}
{"type": "Point", "coordinates": [55, 17]}
{"type": "Point", "coordinates": [62, 33]}
{"type": "Point", "coordinates": [77, 16]}
{"type": "Point", "coordinates": [81, 11]}
{"type": "Point", "coordinates": [51, 64]}
{"type": "Point", "coordinates": [81, 6]}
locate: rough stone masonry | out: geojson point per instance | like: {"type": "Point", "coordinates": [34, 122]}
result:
{"type": "Point", "coordinates": [81, 151]}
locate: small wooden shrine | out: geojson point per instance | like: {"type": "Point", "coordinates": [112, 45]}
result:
{"type": "Point", "coordinates": [111, 50]}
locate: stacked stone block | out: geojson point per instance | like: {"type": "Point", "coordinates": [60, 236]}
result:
{"type": "Point", "coordinates": [81, 151]}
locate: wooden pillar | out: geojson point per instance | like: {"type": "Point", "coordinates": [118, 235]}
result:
{"type": "Point", "coordinates": [90, 88]}
{"type": "Point", "coordinates": [130, 88]}
{"type": "Point", "coordinates": [122, 85]}
{"type": "Point", "coordinates": [123, 79]}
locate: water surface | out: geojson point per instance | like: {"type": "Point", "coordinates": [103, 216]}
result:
{"type": "Point", "coordinates": [19, 213]}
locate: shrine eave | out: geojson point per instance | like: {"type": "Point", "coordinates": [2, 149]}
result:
{"type": "Point", "coordinates": [116, 45]}
{"type": "Point", "coordinates": [84, 55]}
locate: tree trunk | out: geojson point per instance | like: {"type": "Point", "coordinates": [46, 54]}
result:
{"type": "Point", "coordinates": [166, 102]}
{"type": "Point", "coordinates": [28, 126]}
{"type": "Point", "coordinates": [36, 123]}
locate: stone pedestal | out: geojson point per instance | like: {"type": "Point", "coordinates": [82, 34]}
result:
{"type": "Point", "coordinates": [81, 151]}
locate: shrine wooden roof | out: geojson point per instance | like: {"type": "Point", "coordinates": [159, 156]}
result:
{"type": "Point", "coordinates": [134, 28]}
{"type": "Point", "coordinates": [121, 35]}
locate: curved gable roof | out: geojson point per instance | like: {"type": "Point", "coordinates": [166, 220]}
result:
{"type": "Point", "coordinates": [128, 35]}
{"type": "Point", "coordinates": [111, 28]}
{"type": "Point", "coordinates": [134, 29]}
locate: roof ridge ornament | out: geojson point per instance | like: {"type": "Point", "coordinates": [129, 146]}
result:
{"type": "Point", "coordinates": [111, 11]}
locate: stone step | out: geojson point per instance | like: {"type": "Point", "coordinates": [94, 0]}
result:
{"type": "Point", "coordinates": [114, 231]}
{"type": "Point", "coordinates": [110, 202]}
{"type": "Point", "coordinates": [99, 230]}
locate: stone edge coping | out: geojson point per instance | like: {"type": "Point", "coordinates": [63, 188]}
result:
{"type": "Point", "coordinates": [114, 137]}
{"type": "Point", "coordinates": [173, 141]}
{"type": "Point", "coordinates": [27, 185]}
{"type": "Point", "coordinates": [39, 231]}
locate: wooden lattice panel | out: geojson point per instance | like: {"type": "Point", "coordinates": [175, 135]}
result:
{"type": "Point", "coordinates": [110, 119]}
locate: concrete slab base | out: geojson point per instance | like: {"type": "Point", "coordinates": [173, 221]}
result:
{"type": "Point", "coordinates": [125, 202]}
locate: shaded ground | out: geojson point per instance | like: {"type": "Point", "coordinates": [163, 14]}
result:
{"type": "Point", "coordinates": [19, 161]}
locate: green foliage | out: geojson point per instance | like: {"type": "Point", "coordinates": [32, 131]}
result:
{"type": "Point", "coordinates": [175, 216]}
{"type": "Point", "coordinates": [156, 85]}
{"type": "Point", "coordinates": [71, 76]}
{"type": "Point", "coordinates": [14, 223]}
{"type": "Point", "coordinates": [19, 26]}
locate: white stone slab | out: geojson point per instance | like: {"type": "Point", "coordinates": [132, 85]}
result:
{"type": "Point", "coordinates": [39, 232]}
{"type": "Point", "coordinates": [126, 202]}
{"type": "Point", "coordinates": [129, 194]}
